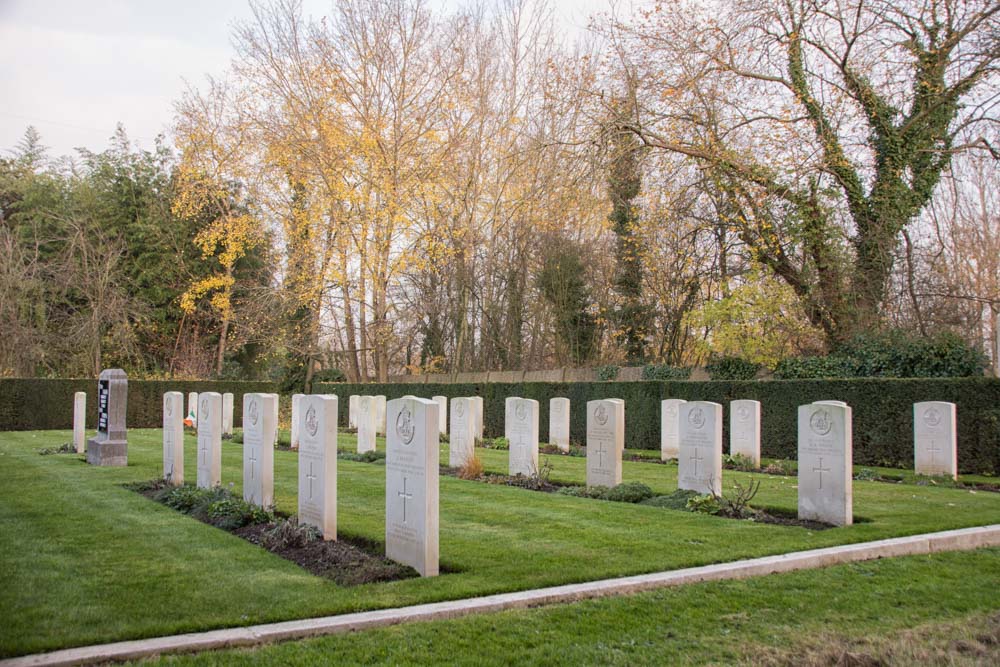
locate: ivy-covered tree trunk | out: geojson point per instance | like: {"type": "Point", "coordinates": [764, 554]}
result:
{"type": "Point", "coordinates": [631, 315]}
{"type": "Point", "coordinates": [830, 142]}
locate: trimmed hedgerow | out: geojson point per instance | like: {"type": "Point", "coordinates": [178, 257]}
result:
{"type": "Point", "coordinates": [883, 410]}
{"type": "Point", "coordinates": [665, 372]}
{"type": "Point", "coordinates": [29, 404]}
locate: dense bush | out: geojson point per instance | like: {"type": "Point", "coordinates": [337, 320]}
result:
{"type": "Point", "coordinates": [362, 457]}
{"type": "Point", "coordinates": [800, 368]}
{"type": "Point", "coordinates": [738, 462]}
{"type": "Point", "coordinates": [897, 354]}
{"type": "Point", "coordinates": [891, 354]}
{"type": "Point", "coordinates": [232, 513]}
{"type": "Point", "coordinates": [289, 534]}
{"type": "Point", "coordinates": [732, 368]}
{"type": "Point", "coordinates": [217, 506]}
{"type": "Point", "coordinates": [626, 492]}
{"type": "Point", "coordinates": [607, 373]}
{"type": "Point", "coordinates": [677, 500]}
{"type": "Point", "coordinates": [665, 372]}
{"type": "Point", "coordinates": [329, 375]}
{"type": "Point", "coordinates": [629, 492]}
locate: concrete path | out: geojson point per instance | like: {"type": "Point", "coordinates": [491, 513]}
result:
{"type": "Point", "coordinates": [951, 540]}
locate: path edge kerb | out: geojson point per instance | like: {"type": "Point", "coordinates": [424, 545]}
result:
{"type": "Point", "coordinates": [951, 540]}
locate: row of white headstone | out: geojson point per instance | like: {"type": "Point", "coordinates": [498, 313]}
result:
{"type": "Point", "coordinates": [935, 433]}
{"type": "Point", "coordinates": [744, 428]}
{"type": "Point", "coordinates": [80, 415]}
{"type": "Point", "coordinates": [227, 411]}
{"type": "Point", "coordinates": [411, 489]}
{"type": "Point", "coordinates": [825, 445]}
{"type": "Point", "coordinates": [824, 454]}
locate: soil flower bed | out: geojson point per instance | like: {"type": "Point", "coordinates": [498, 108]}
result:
{"type": "Point", "coordinates": [343, 561]}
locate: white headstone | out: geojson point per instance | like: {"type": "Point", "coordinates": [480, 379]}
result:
{"type": "Point", "coordinates": [508, 412]}
{"type": "Point", "coordinates": [380, 414]}
{"type": "Point", "coordinates": [80, 419]}
{"type": "Point", "coordinates": [277, 414]}
{"type": "Point", "coordinates": [173, 437]}
{"type": "Point", "coordinates": [227, 414]}
{"type": "Point", "coordinates": [670, 435]}
{"type": "Point", "coordinates": [258, 449]}
{"type": "Point", "coordinates": [365, 417]}
{"type": "Point", "coordinates": [318, 464]}
{"type": "Point", "coordinates": [744, 429]}
{"type": "Point", "coordinates": [522, 434]}
{"type": "Point", "coordinates": [462, 439]}
{"type": "Point", "coordinates": [935, 439]}
{"type": "Point", "coordinates": [825, 463]}
{"type": "Point", "coordinates": [605, 442]}
{"type": "Point", "coordinates": [193, 407]}
{"type": "Point", "coordinates": [478, 402]}
{"type": "Point", "coordinates": [296, 417]}
{"type": "Point", "coordinates": [411, 484]}
{"type": "Point", "coordinates": [209, 439]}
{"type": "Point", "coordinates": [699, 460]}
{"type": "Point", "coordinates": [352, 411]}
{"type": "Point", "coordinates": [442, 402]}
{"type": "Point", "coordinates": [559, 423]}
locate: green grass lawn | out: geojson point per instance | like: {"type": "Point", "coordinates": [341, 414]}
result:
{"type": "Point", "coordinates": [902, 611]}
{"type": "Point", "coordinates": [87, 561]}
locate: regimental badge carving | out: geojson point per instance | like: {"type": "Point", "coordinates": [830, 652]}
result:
{"type": "Point", "coordinates": [170, 407]}
{"type": "Point", "coordinates": [672, 411]}
{"type": "Point", "coordinates": [405, 427]}
{"type": "Point", "coordinates": [312, 423]}
{"type": "Point", "coordinates": [601, 414]}
{"type": "Point", "coordinates": [521, 411]}
{"type": "Point", "coordinates": [696, 417]}
{"type": "Point", "coordinates": [204, 408]}
{"type": "Point", "coordinates": [932, 417]}
{"type": "Point", "coordinates": [254, 412]}
{"type": "Point", "coordinates": [743, 413]}
{"type": "Point", "coordinates": [460, 409]}
{"type": "Point", "coordinates": [820, 422]}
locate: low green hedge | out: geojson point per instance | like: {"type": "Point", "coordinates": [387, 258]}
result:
{"type": "Point", "coordinates": [37, 404]}
{"type": "Point", "coordinates": [883, 410]}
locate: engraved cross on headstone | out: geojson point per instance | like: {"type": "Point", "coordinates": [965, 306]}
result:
{"type": "Point", "coordinates": [600, 455]}
{"type": "Point", "coordinates": [253, 460]}
{"type": "Point", "coordinates": [933, 449]}
{"type": "Point", "coordinates": [405, 496]}
{"type": "Point", "coordinates": [311, 476]}
{"type": "Point", "coordinates": [522, 447]}
{"type": "Point", "coordinates": [170, 452]}
{"type": "Point", "coordinates": [204, 454]}
{"type": "Point", "coordinates": [821, 470]}
{"type": "Point", "coordinates": [696, 458]}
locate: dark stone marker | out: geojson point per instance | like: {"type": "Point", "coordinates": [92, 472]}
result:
{"type": "Point", "coordinates": [110, 447]}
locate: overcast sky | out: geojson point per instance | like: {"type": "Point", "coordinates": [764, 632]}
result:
{"type": "Point", "coordinates": [75, 68]}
